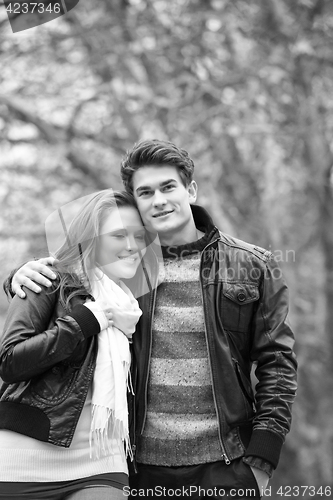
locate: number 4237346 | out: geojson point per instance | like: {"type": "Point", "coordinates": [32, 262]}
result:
{"type": "Point", "coordinates": [302, 491]}
{"type": "Point", "coordinates": [33, 7]}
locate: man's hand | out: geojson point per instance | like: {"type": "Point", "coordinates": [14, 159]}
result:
{"type": "Point", "coordinates": [31, 273]}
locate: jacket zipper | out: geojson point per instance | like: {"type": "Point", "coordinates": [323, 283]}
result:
{"type": "Point", "coordinates": [152, 304]}
{"type": "Point", "coordinates": [135, 469]}
{"type": "Point", "coordinates": [133, 445]}
{"type": "Point", "coordinates": [90, 377]}
{"type": "Point", "coordinates": [224, 453]}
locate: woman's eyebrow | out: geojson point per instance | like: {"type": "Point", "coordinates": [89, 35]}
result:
{"type": "Point", "coordinates": [119, 230]}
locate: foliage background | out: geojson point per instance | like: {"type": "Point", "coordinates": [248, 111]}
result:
{"type": "Point", "coordinates": [246, 86]}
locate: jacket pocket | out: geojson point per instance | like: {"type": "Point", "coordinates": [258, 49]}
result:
{"type": "Point", "coordinates": [54, 385]}
{"type": "Point", "coordinates": [246, 389]}
{"type": "Point", "coordinates": [239, 301]}
{"type": "Point", "coordinates": [244, 383]}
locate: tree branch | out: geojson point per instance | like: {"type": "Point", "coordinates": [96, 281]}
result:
{"type": "Point", "coordinates": [48, 131]}
{"type": "Point", "coordinates": [79, 162]}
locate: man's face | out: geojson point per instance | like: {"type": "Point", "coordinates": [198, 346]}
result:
{"type": "Point", "coordinates": [163, 200]}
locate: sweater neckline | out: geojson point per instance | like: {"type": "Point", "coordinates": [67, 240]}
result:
{"type": "Point", "coordinates": [176, 251]}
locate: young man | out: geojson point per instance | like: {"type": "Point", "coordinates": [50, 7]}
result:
{"type": "Point", "coordinates": [221, 306]}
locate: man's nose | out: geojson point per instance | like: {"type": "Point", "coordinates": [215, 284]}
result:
{"type": "Point", "coordinates": [159, 199]}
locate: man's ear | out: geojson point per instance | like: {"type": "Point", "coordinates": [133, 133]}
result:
{"type": "Point", "coordinates": [192, 190]}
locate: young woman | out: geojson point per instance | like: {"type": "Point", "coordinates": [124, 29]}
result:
{"type": "Point", "coordinates": [64, 362]}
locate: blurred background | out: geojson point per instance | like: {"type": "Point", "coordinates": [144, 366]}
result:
{"type": "Point", "coordinates": [246, 86]}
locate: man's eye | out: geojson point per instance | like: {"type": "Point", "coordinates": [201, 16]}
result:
{"type": "Point", "coordinates": [144, 193]}
{"type": "Point", "coordinates": [167, 188]}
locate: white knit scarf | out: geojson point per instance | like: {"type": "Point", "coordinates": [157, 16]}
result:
{"type": "Point", "coordinates": [112, 375]}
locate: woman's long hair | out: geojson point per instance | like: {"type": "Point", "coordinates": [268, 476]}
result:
{"type": "Point", "coordinates": [77, 254]}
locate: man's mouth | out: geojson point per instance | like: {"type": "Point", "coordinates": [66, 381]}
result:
{"type": "Point", "coordinates": [162, 214]}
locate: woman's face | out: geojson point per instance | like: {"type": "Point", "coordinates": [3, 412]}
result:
{"type": "Point", "coordinates": [122, 236]}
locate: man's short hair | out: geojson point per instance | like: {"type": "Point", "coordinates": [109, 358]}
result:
{"type": "Point", "coordinates": [159, 153]}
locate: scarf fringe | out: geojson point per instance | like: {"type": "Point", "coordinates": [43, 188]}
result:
{"type": "Point", "coordinates": [105, 427]}
{"type": "Point", "coordinates": [106, 433]}
{"type": "Point", "coordinates": [129, 384]}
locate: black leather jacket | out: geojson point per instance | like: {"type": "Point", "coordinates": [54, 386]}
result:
{"type": "Point", "coordinates": [47, 360]}
{"type": "Point", "coordinates": [245, 302]}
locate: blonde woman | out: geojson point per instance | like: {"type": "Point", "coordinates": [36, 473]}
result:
{"type": "Point", "coordinates": [64, 362]}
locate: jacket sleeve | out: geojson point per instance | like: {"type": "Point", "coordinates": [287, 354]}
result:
{"type": "Point", "coordinates": [272, 349]}
{"type": "Point", "coordinates": [29, 346]}
{"type": "Point", "coordinates": [7, 284]}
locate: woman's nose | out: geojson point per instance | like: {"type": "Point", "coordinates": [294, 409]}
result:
{"type": "Point", "coordinates": [131, 244]}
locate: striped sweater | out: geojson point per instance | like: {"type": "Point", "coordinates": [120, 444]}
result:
{"type": "Point", "coordinates": [181, 426]}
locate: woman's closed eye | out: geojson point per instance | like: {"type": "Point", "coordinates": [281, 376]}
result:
{"type": "Point", "coordinates": [140, 236]}
{"type": "Point", "coordinates": [118, 235]}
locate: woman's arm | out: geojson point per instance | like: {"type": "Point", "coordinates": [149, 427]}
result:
{"type": "Point", "coordinates": [29, 346]}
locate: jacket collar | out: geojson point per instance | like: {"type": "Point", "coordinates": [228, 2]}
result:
{"type": "Point", "coordinates": [203, 221]}
{"type": "Point", "coordinates": [205, 224]}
